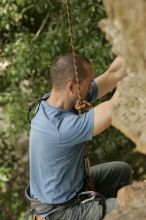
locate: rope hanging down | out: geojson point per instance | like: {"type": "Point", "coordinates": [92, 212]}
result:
{"type": "Point", "coordinates": [81, 104]}
{"type": "Point", "coordinates": [72, 40]}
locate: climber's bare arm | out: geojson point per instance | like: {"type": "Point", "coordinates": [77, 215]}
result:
{"type": "Point", "coordinates": [103, 114]}
{"type": "Point", "coordinates": [108, 80]}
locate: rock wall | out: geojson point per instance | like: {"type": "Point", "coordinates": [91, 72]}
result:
{"type": "Point", "coordinates": [125, 28]}
{"type": "Point", "coordinates": [132, 200]}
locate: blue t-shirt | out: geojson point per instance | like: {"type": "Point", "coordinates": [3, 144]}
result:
{"type": "Point", "coordinates": [56, 151]}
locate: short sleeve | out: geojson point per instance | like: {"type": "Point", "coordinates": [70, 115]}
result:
{"type": "Point", "coordinates": [76, 129]}
{"type": "Point", "coordinates": [92, 94]}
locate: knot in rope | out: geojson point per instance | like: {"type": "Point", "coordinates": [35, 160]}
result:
{"type": "Point", "coordinates": [82, 105]}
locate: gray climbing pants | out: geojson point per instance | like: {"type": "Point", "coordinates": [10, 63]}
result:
{"type": "Point", "coordinates": [108, 178]}
{"type": "Point", "coordinates": [87, 211]}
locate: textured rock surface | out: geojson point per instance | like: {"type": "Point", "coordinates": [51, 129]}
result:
{"type": "Point", "coordinates": [132, 200]}
{"type": "Point", "coordinates": [126, 30]}
{"type": "Point", "coordinates": [129, 213]}
{"type": "Point", "coordinates": [132, 195]}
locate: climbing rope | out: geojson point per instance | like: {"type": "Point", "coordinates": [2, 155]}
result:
{"type": "Point", "coordinates": [72, 41]}
{"type": "Point", "coordinates": [81, 104]}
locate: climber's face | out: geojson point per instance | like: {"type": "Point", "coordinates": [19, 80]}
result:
{"type": "Point", "coordinates": [85, 85]}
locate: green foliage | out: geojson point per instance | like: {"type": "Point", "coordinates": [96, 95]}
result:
{"type": "Point", "coordinates": [31, 34]}
{"type": "Point", "coordinates": [12, 179]}
{"type": "Point", "coordinates": [30, 53]}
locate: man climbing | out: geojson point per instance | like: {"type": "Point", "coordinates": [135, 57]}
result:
{"type": "Point", "coordinates": [58, 189]}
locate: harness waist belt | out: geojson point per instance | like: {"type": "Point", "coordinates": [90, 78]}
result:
{"type": "Point", "coordinates": [38, 208]}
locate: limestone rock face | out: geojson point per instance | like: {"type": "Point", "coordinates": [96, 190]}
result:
{"type": "Point", "coordinates": [132, 200]}
{"type": "Point", "coordinates": [125, 28]}
{"type": "Point", "coordinates": [130, 213]}
{"type": "Point", "coordinates": [132, 195]}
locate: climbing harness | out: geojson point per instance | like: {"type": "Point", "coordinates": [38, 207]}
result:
{"type": "Point", "coordinates": [42, 209]}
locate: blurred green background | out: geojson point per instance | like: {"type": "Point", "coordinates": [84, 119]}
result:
{"type": "Point", "coordinates": [32, 33]}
